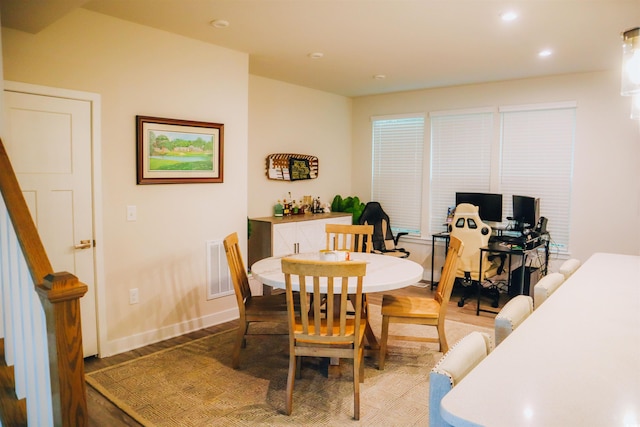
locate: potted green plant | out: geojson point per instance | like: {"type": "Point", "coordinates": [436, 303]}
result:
{"type": "Point", "coordinates": [350, 204]}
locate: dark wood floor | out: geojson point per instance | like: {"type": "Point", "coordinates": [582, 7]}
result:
{"type": "Point", "coordinates": [103, 413]}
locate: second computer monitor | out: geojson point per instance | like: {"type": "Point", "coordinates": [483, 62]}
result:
{"type": "Point", "coordinates": [489, 204]}
{"type": "Point", "coordinates": [526, 211]}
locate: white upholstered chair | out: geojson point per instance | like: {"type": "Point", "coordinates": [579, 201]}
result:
{"type": "Point", "coordinates": [569, 267]}
{"type": "Point", "coordinates": [452, 368]}
{"type": "Point", "coordinates": [545, 287]}
{"type": "Point", "coordinates": [511, 316]}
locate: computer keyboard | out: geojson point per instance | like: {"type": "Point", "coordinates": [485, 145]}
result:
{"type": "Point", "coordinates": [513, 240]}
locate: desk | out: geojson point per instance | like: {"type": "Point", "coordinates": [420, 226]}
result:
{"type": "Point", "coordinates": [434, 237]}
{"type": "Point", "coordinates": [384, 273]}
{"type": "Point", "coordinates": [573, 362]}
{"type": "Point", "coordinates": [495, 247]}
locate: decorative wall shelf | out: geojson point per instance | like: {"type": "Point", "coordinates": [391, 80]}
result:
{"type": "Point", "coordinates": [291, 167]}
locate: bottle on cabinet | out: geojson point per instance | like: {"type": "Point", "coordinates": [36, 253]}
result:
{"type": "Point", "coordinates": [278, 209]}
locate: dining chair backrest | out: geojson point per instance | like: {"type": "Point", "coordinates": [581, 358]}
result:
{"type": "Point", "coordinates": [511, 316]}
{"type": "Point", "coordinates": [321, 325]}
{"type": "Point", "coordinates": [448, 277]}
{"type": "Point", "coordinates": [237, 270]}
{"type": "Point", "coordinates": [316, 325]}
{"type": "Point", "coordinates": [349, 237]}
{"type": "Point", "coordinates": [545, 287]}
{"type": "Point", "coordinates": [569, 267]}
{"type": "Point", "coordinates": [452, 368]}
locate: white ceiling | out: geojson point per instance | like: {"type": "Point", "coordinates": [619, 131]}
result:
{"type": "Point", "coordinates": [415, 43]}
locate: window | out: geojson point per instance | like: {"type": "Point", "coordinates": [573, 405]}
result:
{"type": "Point", "coordinates": [396, 179]}
{"type": "Point", "coordinates": [460, 159]}
{"type": "Point", "coordinates": [537, 161]}
{"type": "Point", "coordinates": [529, 153]}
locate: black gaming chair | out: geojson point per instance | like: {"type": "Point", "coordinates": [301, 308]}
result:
{"type": "Point", "coordinates": [383, 240]}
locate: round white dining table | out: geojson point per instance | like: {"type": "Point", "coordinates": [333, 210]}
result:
{"type": "Point", "coordinates": [384, 272]}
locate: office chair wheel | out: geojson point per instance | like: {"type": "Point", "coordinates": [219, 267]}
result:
{"type": "Point", "coordinates": [461, 303]}
{"type": "Point", "coordinates": [495, 304]}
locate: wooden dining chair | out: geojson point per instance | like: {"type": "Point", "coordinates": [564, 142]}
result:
{"type": "Point", "coordinates": [352, 238]}
{"type": "Point", "coordinates": [325, 330]}
{"type": "Point", "coordinates": [420, 310]}
{"type": "Point", "coordinates": [347, 237]}
{"type": "Point", "coordinates": [260, 308]}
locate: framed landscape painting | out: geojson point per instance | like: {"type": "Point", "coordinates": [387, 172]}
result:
{"type": "Point", "coordinates": [172, 151]}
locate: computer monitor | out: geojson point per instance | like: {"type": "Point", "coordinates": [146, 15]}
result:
{"type": "Point", "coordinates": [489, 204]}
{"type": "Point", "coordinates": [526, 211]}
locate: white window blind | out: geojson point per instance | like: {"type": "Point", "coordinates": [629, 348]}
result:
{"type": "Point", "coordinates": [537, 161]}
{"type": "Point", "coordinates": [460, 159]}
{"type": "Point", "coordinates": [396, 182]}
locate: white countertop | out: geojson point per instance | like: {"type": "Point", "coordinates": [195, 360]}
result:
{"type": "Point", "coordinates": [574, 362]}
{"type": "Point", "coordinates": [383, 272]}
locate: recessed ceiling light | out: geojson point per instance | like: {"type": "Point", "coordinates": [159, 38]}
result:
{"type": "Point", "coordinates": [508, 16]}
{"type": "Point", "coordinates": [379, 77]}
{"type": "Point", "coordinates": [316, 55]}
{"type": "Point", "coordinates": [219, 23]}
{"type": "Point", "coordinates": [544, 53]}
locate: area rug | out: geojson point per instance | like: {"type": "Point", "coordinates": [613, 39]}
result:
{"type": "Point", "coordinates": [193, 384]}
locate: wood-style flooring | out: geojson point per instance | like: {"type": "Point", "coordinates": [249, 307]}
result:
{"type": "Point", "coordinates": [103, 413]}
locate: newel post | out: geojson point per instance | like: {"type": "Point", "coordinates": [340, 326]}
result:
{"type": "Point", "coordinates": [60, 295]}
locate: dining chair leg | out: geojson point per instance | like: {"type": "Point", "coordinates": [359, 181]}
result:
{"type": "Point", "coordinates": [290, 380]}
{"type": "Point", "coordinates": [357, 363]}
{"type": "Point", "coordinates": [444, 347]}
{"type": "Point", "coordinates": [383, 342]}
{"type": "Point", "coordinates": [240, 343]}
{"type": "Point", "coordinates": [361, 356]}
{"type": "Point", "coordinates": [299, 367]}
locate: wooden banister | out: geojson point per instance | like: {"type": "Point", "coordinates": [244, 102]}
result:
{"type": "Point", "coordinates": [60, 295]}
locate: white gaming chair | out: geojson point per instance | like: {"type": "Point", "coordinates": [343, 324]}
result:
{"type": "Point", "coordinates": [474, 234]}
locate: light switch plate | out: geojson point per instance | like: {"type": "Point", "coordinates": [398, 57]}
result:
{"type": "Point", "coordinates": [132, 213]}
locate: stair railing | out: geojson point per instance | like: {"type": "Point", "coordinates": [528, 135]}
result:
{"type": "Point", "coordinates": [42, 371]}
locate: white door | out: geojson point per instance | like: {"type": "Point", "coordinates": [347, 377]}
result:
{"type": "Point", "coordinates": [49, 144]}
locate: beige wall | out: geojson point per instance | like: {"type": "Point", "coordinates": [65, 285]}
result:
{"type": "Point", "coordinates": [142, 71]}
{"type": "Point", "coordinates": [138, 70]}
{"type": "Point", "coordinates": [285, 118]}
{"type": "Point", "coordinates": [606, 179]}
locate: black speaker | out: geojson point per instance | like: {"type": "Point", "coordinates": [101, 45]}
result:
{"type": "Point", "coordinates": [541, 226]}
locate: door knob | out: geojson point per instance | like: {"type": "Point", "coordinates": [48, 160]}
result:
{"type": "Point", "coordinates": [84, 244]}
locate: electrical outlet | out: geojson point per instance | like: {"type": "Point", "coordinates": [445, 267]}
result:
{"type": "Point", "coordinates": [133, 296]}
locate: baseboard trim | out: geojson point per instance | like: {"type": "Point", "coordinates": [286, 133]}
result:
{"type": "Point", "coordinates": [150, 337]}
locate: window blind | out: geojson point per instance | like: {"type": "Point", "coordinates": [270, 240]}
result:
{"type": "Point", "coordinates": [537, 161]}
{"type": "Point", "coordinates": [397, 157]}
{"type": "Point", "coordinates": [460, 159]}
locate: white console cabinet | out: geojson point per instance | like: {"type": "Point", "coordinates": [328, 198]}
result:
{"type": "Point", "coordinates": [278, 236]}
